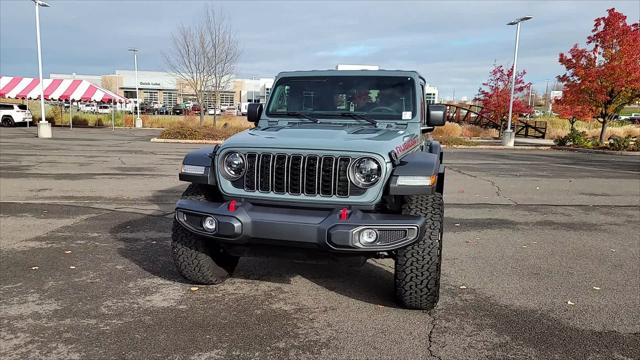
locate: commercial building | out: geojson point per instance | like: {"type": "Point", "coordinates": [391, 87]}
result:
{"type": "Point", "coordinates": [431, 94]}
{"type": "Point", "coordinates": [253, 91]}
{"type": "Point", "coordinates": [168, 89]}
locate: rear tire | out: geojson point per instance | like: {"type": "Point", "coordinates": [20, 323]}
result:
{"type": "Point", "coordinates": [7, 121]}
{"type": "Point", "coordinates": [417, 267]}
{"type": "Point", "coordinates": [197, 258]}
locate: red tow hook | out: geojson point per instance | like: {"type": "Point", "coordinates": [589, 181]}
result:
{"type": "Point", "coordinates": [233, 205]}
{"type": "Point", "coordinates": [344, 213]}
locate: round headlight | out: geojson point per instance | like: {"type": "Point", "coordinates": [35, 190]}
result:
{"type": "Point", "coordinates": [233, 165]}
{"type": "Point", "coordinates": [365, 172]}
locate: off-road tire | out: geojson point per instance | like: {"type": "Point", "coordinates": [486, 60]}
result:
{"type": "Point", "coordinates": [417, 268]}
{"type": "Point", "coordinates": [197, 258]}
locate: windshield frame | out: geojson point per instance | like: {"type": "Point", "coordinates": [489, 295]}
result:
{"type": "Point", "coordinates": [339, 114]}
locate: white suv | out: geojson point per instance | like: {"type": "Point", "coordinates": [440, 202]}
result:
{"type": "Point", "coordinates": [11, 114]}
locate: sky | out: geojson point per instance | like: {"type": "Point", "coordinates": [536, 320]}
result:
{"type": "Point", "coordinates": [453, 44]}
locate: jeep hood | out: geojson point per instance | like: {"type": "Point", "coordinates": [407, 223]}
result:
{"type": "Point", "coordinates": [326, 137]}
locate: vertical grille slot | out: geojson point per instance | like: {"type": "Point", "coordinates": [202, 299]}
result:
{"type": "Point", "coordinates": [342, 177]}
{"type": "Point", "coordinates": [327, 175]}
{"type": "Point", "coordinates": [251, 176]}
{"type": "Point", "coordinates": [280, 174]}
{"type": "Point", "coordinates": [264, 172]}
{"type": "Point", "coordinates": [311, 175]}
{"type": "Point", "coordinates": [295, 174]}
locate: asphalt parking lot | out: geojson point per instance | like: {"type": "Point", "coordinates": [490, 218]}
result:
{"type": "Point", "coordinates": [541, 261]}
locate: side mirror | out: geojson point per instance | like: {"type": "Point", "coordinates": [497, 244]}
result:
{"type": "Point", "coordinates": [254, 111]}
{"type": "Point", "coordinates": [436, 115]}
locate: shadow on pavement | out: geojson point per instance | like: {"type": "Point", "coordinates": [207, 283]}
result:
{"type": "Point", "coordinates": [147, 243]}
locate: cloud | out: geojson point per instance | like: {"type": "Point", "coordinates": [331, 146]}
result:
{"type": "Point", "coordinates": [452, 44]}
{"type": "Point", "coordinates": [350, 51]}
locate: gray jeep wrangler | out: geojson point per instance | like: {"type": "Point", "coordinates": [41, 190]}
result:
{"type": "Point", "coordinates": [337, 165]}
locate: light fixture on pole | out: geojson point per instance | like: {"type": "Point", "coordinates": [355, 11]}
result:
{"type": "Point", "coordinates": [44, 128]}
{"type": "Point", "coordinates": [138, 123]}
{"type": "Point", "coordinates": [508, 137]}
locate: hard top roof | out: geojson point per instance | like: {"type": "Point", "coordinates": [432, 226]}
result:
{"type": "Point", "coordinates": [332, 72]}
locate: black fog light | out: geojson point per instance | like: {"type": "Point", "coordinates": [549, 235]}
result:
{"type": "Point", "coordinates": [209, 224]}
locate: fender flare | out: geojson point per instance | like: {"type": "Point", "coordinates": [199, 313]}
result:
{"type": "Point", "coordinates": [414, 173]}
{"type": "Point", "coordinates": [202, 161]}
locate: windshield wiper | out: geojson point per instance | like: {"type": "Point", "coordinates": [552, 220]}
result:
{"type": "Point", "coordinates": [358, 117]}
{"type": "Point", "coordinates": [299, 115]}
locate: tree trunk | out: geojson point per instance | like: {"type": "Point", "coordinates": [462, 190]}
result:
{"type": "Point", "coordinates": [217, 106]}
{"type": "Point", "coordinates": [573, 124]}
{"type": "Point", "coordinates": [605, 122]}
{"type": "Point", "coordinates": [200, 100]}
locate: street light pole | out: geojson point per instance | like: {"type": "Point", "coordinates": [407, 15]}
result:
{"type": "Point", "coordinates": [44, 128]}
{"type": "Point", "coordinates": [529, 102]}
{"type": "Point", "coordinates": [508, 138]}
{"type": "Point", "coordinates": [135, 65]}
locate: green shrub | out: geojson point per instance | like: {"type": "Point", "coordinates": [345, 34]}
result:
{"type": "Point", "coordinates": [619, 143]}
{"type": "Point", "coordinates": [81, 122]}
{"type": "Point", "coordinates": [194, 132]}
{"type": "Point", "coordinates": [575, 138]}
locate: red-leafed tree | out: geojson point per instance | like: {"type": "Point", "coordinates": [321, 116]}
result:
{"type": "Point", "coordinates": [573, 107]}
{"type": "Point", "coordinates": [495, 93]}
{"type": "Point", "coordinates": [605, 74]}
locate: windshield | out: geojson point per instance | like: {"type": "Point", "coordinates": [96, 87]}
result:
{"type": "Point", "coordinates": [378, 97]}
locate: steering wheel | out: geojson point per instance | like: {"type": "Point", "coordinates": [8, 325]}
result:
{"type": "Point", "coordinates": [382, 109]}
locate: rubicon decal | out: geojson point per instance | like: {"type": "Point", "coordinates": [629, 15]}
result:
{"type": "Point", "coordinates": [407, 145]}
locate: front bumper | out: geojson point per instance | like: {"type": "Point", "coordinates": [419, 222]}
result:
{"type": "Point", "coordinates": [325, 229]}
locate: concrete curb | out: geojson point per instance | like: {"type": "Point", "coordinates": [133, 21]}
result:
{"type": "Point", "coordinates": [597, 151]}
{"type": "Point", "coordinates": [497, 147]}
{"type": "Point", "coordinates": [179, 141]}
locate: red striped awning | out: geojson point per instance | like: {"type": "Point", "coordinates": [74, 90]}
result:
{"type": "Point", "coordinates": [15, 87]}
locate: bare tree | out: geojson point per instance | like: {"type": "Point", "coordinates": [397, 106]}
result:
{"type": "Point", "coordinates": [224, 53]}
{"type": "Point", "coordinates": [189, 60]}
{"type": "Point", "coordinates": [204, 57]}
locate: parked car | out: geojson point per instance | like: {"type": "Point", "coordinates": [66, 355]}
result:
{"type": "Point", "coordinates": [178, 109]}
{"type": "Point", "coordinates": [213, 110]}
{"type": "Point", "coordinates": [634, 118]}
{"type": "Point", "coordinates": [104, 109]}
{"type": "Point", "coordinates": [11, 114]}
{"type": "Point", "coordinates": [88, 107]}
{"type": "Point", "coordinates": [195, 108]}
{"type": "Point", "coordinates": [146, 108]}
{"type": "Point", "coordinates": [162, 110]}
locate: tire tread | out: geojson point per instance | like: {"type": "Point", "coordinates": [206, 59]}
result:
{"type": "Point", "coordinates": [196, 258]}
{"type": "Point", "coordinates": [417, 267]}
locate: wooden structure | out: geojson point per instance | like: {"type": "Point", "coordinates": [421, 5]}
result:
{"type": "Point", "coordinates": [473, 115]}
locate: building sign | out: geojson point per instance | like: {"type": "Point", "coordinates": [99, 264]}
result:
{"type": "Point", "coordinates": [147, 80]}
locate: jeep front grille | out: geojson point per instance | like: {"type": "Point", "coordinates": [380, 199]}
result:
{"type": "Point", "coordinates": [295, 174]}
